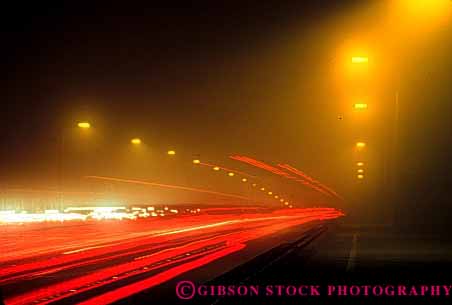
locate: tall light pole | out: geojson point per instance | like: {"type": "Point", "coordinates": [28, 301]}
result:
{"type": "Point", "coordinates": [395, 144]}
{"type": "Point", "coordinates": [82, 125]}
{"type": "Point", "coordinates": [360, 106]}
{"type": "Point", "coordinates": [390, 176]}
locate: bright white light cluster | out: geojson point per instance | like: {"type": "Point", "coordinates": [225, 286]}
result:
{"type": "Point", "coordinates": [85, 213]}
{"type": "Point", "coordinates": [101, 213]}
{"type": "Point", "coordinates": [111, 215]}
{"type": "Point", "coordinates": [49, 215]}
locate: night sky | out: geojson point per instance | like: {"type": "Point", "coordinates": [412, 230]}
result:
{"type": "Point", "coordinates": [212, 79]}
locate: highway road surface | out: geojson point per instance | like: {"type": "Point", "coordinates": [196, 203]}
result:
{"type": "Point", "coordinates": [102, 262]}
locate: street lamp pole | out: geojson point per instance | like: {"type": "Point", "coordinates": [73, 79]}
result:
{"type": "Point", "coordinates": [395, 152]}
{"type": "Point", "coordinates": [62, 143]}
{"type": "Point", "coordinates": [396, 135]}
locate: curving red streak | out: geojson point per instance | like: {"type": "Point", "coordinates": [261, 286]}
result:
{"type": "Point", "coordinates": [312, 180]}
{"type": "Point", "coordinates": [232, 209]}
{"type": "Point", "coordinates": [227, 169]}
{"type": "Point", "coordinates": [279, 172]}
{"type": "Point", "coordinates": [262, 165]}
{"type": "Point", "coordinates": [132, 289]}
{"type": "Point", "coordinates": [105, 276]}
{"type": "Point", "coordinates": [177, 187]}
{"type": "Point", "coordinates": [208, 237]}
{"type": "Point", "coordinates": [76, 260]}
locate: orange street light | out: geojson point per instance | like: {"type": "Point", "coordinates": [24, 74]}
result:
{"type": "Point", "coordinates": [360, 163]}
{"type": "Point", "coordinates": [270, 193]}
{"type": "Point", "coordinates": [360, 170]}
{"type": "Point", "coordinates": [262, 188]}
{"type": "Point", "coordinates": [135, 141]}
{"type": "Point", "coordinates": [360, 59]}
{"type": "Point", "coordinates": [360, 176]}
{"type": "Point", "coordinates": [196, 161]}
{"type": "Point", "coordinates": [84, 125]}
{"type": "Point", "coordinates": [360, 106]}
{"type": "Point", "coordinates": [231, 174]}
{"type": "Point", "coordinates": [216, 168]}
{"type": "Point", "coordinates": [171, 152]}
{"type": "Point", "coordinates": [360, 145]}
{"type": "Point", "coordinates": [244, 180]}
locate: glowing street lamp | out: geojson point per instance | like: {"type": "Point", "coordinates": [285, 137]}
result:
{"type": "Point", "coordinates": [84, 125]}
{"type": "Point", "coordinates": [196, 161]}
{"type": "Point", "coordinates": [360, 171]}
{"type": "Point", "coordinates": [360, 145]}
{"type": "Point", "coordinates": [231, 174]}
{"type": "Point", "coordinates": [286, 203]}
{"type": "Point", "coordinates": [262, 188]}
{"type": "Point", "coordinates": [360, 176]}
{"type": "Point", "coordinates": [270, 193]}
{"type": "Point", "coordinates": [216, 168]}
{"type": "Point", "coordinates": [171, 152]}
{"type": "Point", "coordinates": [135, 141]}
{"type": "Point", "coordinates": [360, 163]}
{"type": "Point", "coordinates": [244, 180]}
{"type": "Point", "coordinates": [360, 106]}
{"type": "Point", "coordinates": [360, 59]}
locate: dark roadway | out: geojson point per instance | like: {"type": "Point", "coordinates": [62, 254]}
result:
{"type": "Point", "coordinates": [337, 254]}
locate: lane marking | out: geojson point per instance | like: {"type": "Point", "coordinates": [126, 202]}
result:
{"type": "Point", "coordinates": [352, 256]}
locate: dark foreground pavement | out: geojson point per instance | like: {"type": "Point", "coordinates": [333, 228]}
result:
{"type": "Point", "coordinates": [386, 260]}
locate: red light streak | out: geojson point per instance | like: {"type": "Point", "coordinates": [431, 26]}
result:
{"type": "Point", "coordinates": [225, 233]}
{"type": "Point", "coordinates": [312, 180]}
{"type": "Point", "coordinates": [132, 289]}
{"type": "Point", "coordinates": [177, 187]}
{"type": "Point", "coordinates": [228, 169]}
{"type": "Point", "coordinates": [279, 172]}
{"type": "Point", "coordinates": [262, 165]}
